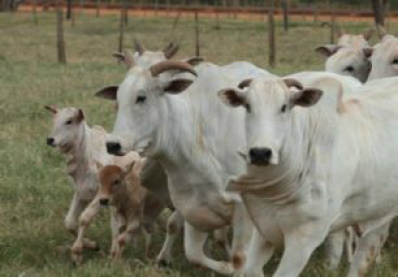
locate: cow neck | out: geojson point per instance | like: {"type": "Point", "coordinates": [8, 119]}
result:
{"type": "Point", "coordinates": [284, 182]}
{"type": "Point", "coordinates": [79, 154]}
{"type": "Point", "coordinates": [177, 137]}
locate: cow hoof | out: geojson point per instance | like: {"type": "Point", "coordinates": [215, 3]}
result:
{"type": "Point", "coordinates": [163, 264]}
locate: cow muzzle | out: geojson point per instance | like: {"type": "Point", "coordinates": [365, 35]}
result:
{"type": "Point", "coordinates": [260, 156]}
{"type": "Point", "coordinates": [114, 148]}
{"type": "Point", "coordinates": [104, 202]}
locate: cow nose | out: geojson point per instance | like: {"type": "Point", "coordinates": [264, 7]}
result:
{"type": "Point", "coordinates": [260, 155]}
{"type": "Point", "coordinates": [50, 141]}
{"type": "Point", "coordinates": [114, 148]}
{"type": "Point", "coordinates": [104, 201]}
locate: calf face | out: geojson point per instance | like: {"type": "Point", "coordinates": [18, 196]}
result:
{"type": "Point", "coordinates": [67, 127]}
{"type": "Point", "coordinates": [268, 103]}
{"type": "Point", "coordinates": [112, 182]}
{"type": "Point", "coordinates": [385, 58]}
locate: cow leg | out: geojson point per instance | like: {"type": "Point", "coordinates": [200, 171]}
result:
{"type": "Point", "coordinates": [368, 250]}
{"type": "Point", "coordinates": [242, 233]}
{"type": "Point", "coordinates": [334, 249]}
{"type": "Point", "coordinates": [260, 252]}
{"type": "Point", "coordinates": [175, 224]}
{"type": "Point", "coordinates": [133, 228]}
{"type": "Point", "coordinates": [148, 241]}
{"type": "Point", "coordinates": [300, 243]}
{"type": "Point", "coordinates": [84, 221]}
{"type": "Point", "coordinates": [221, 239]}
{"type": "Point", "coordinates": [194, 241]}
{"type": "Point", "coordinates": [351, 243]}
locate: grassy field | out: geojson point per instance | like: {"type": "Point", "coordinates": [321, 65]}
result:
{"type": "Point", "coordinates": [35, 192]}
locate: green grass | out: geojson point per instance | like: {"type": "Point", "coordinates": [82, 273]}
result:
{"type": "Point", "coordinates": [35, 192]}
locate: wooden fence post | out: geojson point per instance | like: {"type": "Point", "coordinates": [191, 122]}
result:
{"type": "Point", "coordinates": [60, 34]}
{"type": "Point", "coordinates": [34, 12]}
{"type": "Point", "coordinates": [285, 15]}
{"type": "Point", "coordinates": [332, 24]}
{"type": "Point", "coordinates": [98, 5]}
{"type": "Point", "coordinates": [271, 35]}
{"type": "Point", "coordinates": [197, 38]}
{"type": "Point", "coordinates": [121, 29]}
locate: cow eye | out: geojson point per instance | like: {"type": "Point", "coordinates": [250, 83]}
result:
{"type": "Point", "coordinates": [283, 108]}
{"type": "Point", "coordinates": [69, 122]}
{"type": "Point", "coordinates": [349, 69]}
{"type": "Point", "coordinates": [140, 99]}
{"type": "Point", "coordinates": [395, 61]}
{"type": "Point", "coordinates": [115, 183]}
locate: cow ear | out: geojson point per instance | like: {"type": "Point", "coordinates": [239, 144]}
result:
{"type": "Point", "coordinates": [109, 93]}
{"type": "Point", "coordinates": [232, 97]}
{"type": "Point", "coordinates": [306, 97]}
{"type": "Point", "coordinates": [368, 51]}
{"type": "Point", "coordinates": [327, 49]}
{"type": "Point", "coordinates": [177, 86]}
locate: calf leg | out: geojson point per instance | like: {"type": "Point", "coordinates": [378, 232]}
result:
{"type": "Point", "coordinates": [117, 224]}
{"type": "Point", "coordinates": [260, 252]}
{"type": "Point", "coordinates": [84, 221]}
{"type": "Point", "coordinates": [334, 249]}
{"type": "Point", "coordinates": [132, 229]}
{"type": "Point", "coordinates": [75, 209]}
{"type": "Point", "coordinates": [368, 250]}
{"type": "Point", "coordinates": [194, 241]}
{"type": "Point", "coordinates": [175, 224]}
{"type": "Point", "coordinates": [299, 245]}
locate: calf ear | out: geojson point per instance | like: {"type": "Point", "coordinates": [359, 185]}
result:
{"type": "Point", "coordinates": [80, 115]}
{"type": "Point", "coordinates": [109, 93]}
{"type": "Point", "coordinates": [128, 169]}
{"type": "Point", "coordinates": [232, 97]}
{"type": "Point", "coordinates": [327, 49]}
{"type": "Point", "coordinates": [177, 86]}
{"type": "Point", "coordinates": [369, 34]}
{"type": "Point", "coordinates": [307, 97]}
{"type": "Point", "coordinates": [51, 108]}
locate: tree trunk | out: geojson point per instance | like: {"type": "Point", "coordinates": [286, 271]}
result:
{"type": "Point", "coordinates": [379, 7]}
{"type": "Point", "coordinates": [271, 35]}
{"type": "Point", "coordinates": [60, 35]}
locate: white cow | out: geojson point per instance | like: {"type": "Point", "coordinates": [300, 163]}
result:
{"type": "Point", "coordinates": [385, 58]}
{"type": "Point", "coordinates": [349, 56]}
{"type": "Point", "coordinates": [192, 136]}
{"type": "Point", "coordinates": [316, 164]}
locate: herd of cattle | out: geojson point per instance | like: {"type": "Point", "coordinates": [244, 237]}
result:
{"type": "Point", "coordinates": [275, 161]}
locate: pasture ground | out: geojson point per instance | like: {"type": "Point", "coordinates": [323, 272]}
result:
{"type": "Point", "coordinates": [35, 192]}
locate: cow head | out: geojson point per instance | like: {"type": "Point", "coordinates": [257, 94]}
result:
{"type": "Point", "coordinates": [140, 100]}
{"type": "Point", "coordinates": [346, 60]}
{"type": "Point", "coordinates": [269, 103]}
{"type": "Point", "coordinates": [385, 58]}
{"type": "Point", "coordinates": [67, 127]}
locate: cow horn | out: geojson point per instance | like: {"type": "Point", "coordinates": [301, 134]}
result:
{"type": "Point", "coordinates": [245, 83]}
{"type": "Point", "coordinates": [139, 47]}
{"type": "Point", "coordinates": [381, 31]}
{"type": "Point", "coordinates": [290, 82]}
{"type": "Point", "coordinates": [163, 66]}
{"type": "Point", "coordinates": [170, 50]}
